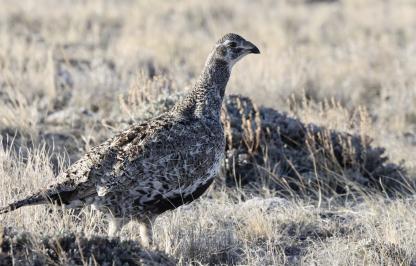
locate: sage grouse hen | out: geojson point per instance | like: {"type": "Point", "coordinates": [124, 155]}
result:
{"type": "Point", "coordinates": [157, 165]}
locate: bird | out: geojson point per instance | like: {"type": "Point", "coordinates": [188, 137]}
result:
{"type": "Point", "coordinates": [156, 165]}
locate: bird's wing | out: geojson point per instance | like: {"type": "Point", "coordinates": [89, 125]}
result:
{"type": "Point", "coordinates": [101, 168]}
{"type": "Point", "coordinates": [125, 166]}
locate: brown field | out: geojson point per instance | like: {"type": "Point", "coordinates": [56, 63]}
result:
{"type": "Point", "coordinates": [72, 73]}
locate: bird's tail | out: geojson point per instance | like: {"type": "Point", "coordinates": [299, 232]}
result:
{"type": "Point", "coordinates": [60, 194]}
{"type": "Point", "coordinates": [31, 200]}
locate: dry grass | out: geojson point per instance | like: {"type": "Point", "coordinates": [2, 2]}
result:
{"type": "Point", "coordinates": [72, 73]}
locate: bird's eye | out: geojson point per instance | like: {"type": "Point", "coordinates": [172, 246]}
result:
{"type": "Point", "coordinates": [232, 44]}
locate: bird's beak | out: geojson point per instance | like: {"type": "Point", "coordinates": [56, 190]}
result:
{"type": "Point", "coordinates": [251, 48]}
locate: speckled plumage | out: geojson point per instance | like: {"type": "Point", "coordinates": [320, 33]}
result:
{"type": "Point", "coordinates": [157, 165]}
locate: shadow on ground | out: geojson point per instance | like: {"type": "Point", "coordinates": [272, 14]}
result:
{"type": "Point", "coordinates": [17, 248]}
{"type": "Point", "coordinates": [268, 148]}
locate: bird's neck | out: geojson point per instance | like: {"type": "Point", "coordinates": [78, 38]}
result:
{"type": "Point", "coordinates": [205, 99]}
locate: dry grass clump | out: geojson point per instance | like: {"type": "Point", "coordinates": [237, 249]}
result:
{"type": "Point", "coordinates": [16, 105]}
{"type": "Point", "coordinates": [305, 158]}
{"type": "Point", "coordinates": [148, 97]}
{"type": "Point", "coordinates": [381, 236]}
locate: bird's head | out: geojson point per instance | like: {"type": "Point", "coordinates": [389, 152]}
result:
{"type": "Point", "coordinates": [232, 47]}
